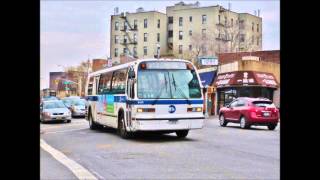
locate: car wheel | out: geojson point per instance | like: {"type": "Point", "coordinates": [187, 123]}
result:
{"type": "Point", "coordinates": [244, 123]}
{"type": "Point", "coordinates": [93, 125]}
{"type": "Point", "coordinates": [121, 128]}
{"type": "Point", "coordinates": [222, 121]}
{"type": "Point", "coordinates": [182, 133]}
{"type": "Point", "coordinates": [272, 126]}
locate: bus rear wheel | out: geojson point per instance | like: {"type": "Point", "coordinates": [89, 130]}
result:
{"type": "Point", "coordinates": [182, 133]}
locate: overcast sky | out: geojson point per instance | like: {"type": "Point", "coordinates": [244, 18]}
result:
{"type": "Point", "coordinates": [75, 30]}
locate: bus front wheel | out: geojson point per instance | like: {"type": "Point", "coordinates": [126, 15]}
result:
{"type": "Point", "coordinates": [121, 128]}
{"type": "Point", "coordinates": [182, 133]}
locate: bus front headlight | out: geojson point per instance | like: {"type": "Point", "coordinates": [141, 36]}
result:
{"type": "Point", "coordinates": [140, 110]}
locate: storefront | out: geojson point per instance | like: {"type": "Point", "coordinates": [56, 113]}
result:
{"type": "Point", "coordinates": [244, 84]}
{"type": "Point", "coordinates": [207, 77]}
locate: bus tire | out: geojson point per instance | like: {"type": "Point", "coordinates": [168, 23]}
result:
{"type": "Point", "coordinates": [93, 125]}
{"type": "Point", "coordinates": [182, 133]}
{"type": "Point", "coordinates": [121, 128]}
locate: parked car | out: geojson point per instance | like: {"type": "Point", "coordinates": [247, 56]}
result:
{"type": "Point", "coordinates": [77, 106]}
{"type": "Point", "coordinates": [54, 110]}
{"type": "Point", "coordinates": [49, 98]}
{"type": "Point", "coordinates": [250, 111]}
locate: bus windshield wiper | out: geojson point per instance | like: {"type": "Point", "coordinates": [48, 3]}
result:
{"type": "Point", "coordinates": [180, 91]}
{"type": "Point", "coordinates": [158, 96]}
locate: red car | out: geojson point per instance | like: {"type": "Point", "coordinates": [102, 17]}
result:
{"type": "Point", "coordinates": [250, 111]}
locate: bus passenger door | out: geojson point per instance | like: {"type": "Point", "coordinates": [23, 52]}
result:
{"type": "Point", "coordinates": [130, 96]}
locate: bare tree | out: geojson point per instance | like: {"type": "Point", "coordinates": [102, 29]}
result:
{"type": "Point", "coordinates": [79, 75]}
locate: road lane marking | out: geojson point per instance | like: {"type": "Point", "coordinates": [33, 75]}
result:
{"type": "Point", "coordinates": [79, 171]}
{"type": "Point", "coordinates": [69, 130]}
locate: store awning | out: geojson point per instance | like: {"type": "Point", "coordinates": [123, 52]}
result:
{"type": "Point", "coordinates": [246, 78]}
{"type": "Point", "coordinates": [207, 78]}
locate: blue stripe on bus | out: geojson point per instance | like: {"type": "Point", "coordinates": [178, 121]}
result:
{"type": "Point", "coordinates": [159, 101]}
{"type": "Point", "coordinates": [123, 99]}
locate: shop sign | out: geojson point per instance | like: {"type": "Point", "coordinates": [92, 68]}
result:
{"type": "Point", "coordinates": [267, 79]}
{"type": "Point", "coordinates": [224, 79]}
{"type": "Point", "coordinates": [208, 61]}
{"type": "Point", "coordinates": [245, 79]}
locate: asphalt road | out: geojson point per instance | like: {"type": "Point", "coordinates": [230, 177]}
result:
{"type": "Point", "coordinates": [213, 152]}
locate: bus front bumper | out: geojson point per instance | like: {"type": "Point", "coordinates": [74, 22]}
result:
{"type": "Point", "coordinates": [159, 125]}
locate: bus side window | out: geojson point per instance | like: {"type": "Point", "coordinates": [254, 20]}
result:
{"type": "Point", "coordinates": [119, 81]}
{"type": "Point", "coordinates": [90, 86]}
{"type": "Point", "coordinates": [105, 83]}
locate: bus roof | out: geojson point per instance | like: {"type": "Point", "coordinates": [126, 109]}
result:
{"type": "Point", "coordinates": [122, 66]}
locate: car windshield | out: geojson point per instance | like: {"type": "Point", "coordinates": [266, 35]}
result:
{"type": "Point", "coordinates": [78, 102]}
{"type": "Point", "coordinates": [169, 84]}
{"type": "Point", "coordinates": [54, 104]}
{"type": "Point", "coordinates": [263, 104]}
{"type": "Point", "coordinates": [49, 98]}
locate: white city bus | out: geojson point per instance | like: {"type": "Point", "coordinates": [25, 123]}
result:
{"type": "Point", "coordinates": [146, 95]}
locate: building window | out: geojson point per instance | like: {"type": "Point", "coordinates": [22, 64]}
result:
{"type": "Point", "coordinates": [241, 24]}
{"type": "Point", "coordinates": [145, 50]}
{"type": "Point", "coordinates": [180, 21]}
{"type": "Point", "coordinates": [125, 25]}
{"type": "Point", "coordinates": [135, 37]}
{"type": "Point", "coordinates": [218, 19]}
{"type": "Point", "coordinates": [190, 47]}
{"type": "Point", "coordinates": [170, 19]}
{"type": "Point", "coordinates": [190, 18]}
{"type": "Point", "coordinates": [257, 27]}
{"type": "Point", "coordinates": [252, 27]}
{"type": "Point", "coordinates": [116, 39]}
{"type": "Point", "coordinates": [242, 37]}
{"type": "Point", "coordinates": [258, 41]}
{"type": "Point", "coordinates": [116, 26]}
{"type": "Point", "coordinates": [203, 33]}
{"type": "Point", "coordinates": [125, 40]}
{"type": "Point", "coordinates": [252, 41]}
{"type": "Point", "coordinates": [135, 24]}
{"type": "Point", "coordinates": [158, 25]}
{"type": "Point", "coordinates": [190, 32]}
{"type": "Point", "coordinates": [135, 51]}
{"type": "Point", "coordinates": [158, 37]}
{"type": "Point", "coordinates": [225, 21]}
{"type": "Point", "coordinates": [125, 50]}
{"type": "Point", "coordinates": [231, 22]}
{"type": "Point", "coordinates": [180, 49]}
{"type": "Point", "coordinates": [145, 37]}
{"type": "Point", "coordinates": [170, 34]}
{"type": "Point", "coordinates": [204, 49]}
{"type": "Point", "coordinates": [180, 35]}
{"type": "Point", "coordinates": [204, 19]}
{"type": "Point", "coordinates": [145, 23]}
{"type": "Point", "coordinates": [116, 52]}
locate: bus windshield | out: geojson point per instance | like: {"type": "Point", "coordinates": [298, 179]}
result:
{"type": "Point", "coordinates": [168, 84]}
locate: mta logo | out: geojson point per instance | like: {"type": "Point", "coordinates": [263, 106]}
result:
{"type": "Point", "coordinates": [172, 109]}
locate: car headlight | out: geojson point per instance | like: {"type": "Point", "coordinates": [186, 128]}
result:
{"type": "Point", "coordinates": [47, 113]}
{"type": "Point", "coordinates": [68, 113]}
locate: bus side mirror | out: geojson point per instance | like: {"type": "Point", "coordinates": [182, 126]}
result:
{"type": "Point", "coordinates": [131, 75]}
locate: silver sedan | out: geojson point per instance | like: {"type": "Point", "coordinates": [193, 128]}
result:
{"type": "Point", "coordinates": [53, 111]}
